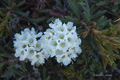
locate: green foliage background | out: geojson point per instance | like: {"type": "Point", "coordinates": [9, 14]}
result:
{"type": "Point", "coordinates": [97, 24]}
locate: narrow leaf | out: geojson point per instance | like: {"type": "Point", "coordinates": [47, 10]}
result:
{"type": "Point", "coordinates": [45, 10]}
{"type": "Point", "coordinates": [2, 64]}
{"type": "Point", "coordinates": [98, 14]}
{"type": "Point", "coordinates": [73, 5]}
{"type": "Point", "coordinates": [73, 20]}
{"type": "Point", "coordinates": [38, 19]}
{"type": "Point", "coordinates": [20, 4]}
{"type": "Point", "coordinates": [59, 3]}
{"type": "Point", "coordinates": [102, 3]}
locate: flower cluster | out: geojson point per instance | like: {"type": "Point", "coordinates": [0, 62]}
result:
{"type": "Point", "coordinates": [28, 47]}
{"type": "Point", "coordinates": [60, 41]}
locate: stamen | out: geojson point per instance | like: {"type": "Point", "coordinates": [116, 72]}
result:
{"type": "Point", "coordinates": [54, 43]}
{"type": "Point", "coordinates": [37, 45]}
{"type": "Point", "coordinates": [61, 36]}
{"type": "Point", "coordinates": [62, 45]}
{"type": "Point", "coordinates": [31, 51]}
{"type": "Point", "coordinates": [69, 39]}
{"type": "Point", "coordinates": [31, 41]}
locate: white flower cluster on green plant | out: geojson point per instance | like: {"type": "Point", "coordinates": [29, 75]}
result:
{"type": "Point", "coordinates": [60, 41]}
{"type": "Point", "coordinates": [28, 46]}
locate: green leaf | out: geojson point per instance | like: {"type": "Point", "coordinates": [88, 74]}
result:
{"type": "Point", "coordinates": [44, 73]}
{"type": "Point", "coordinates": [12, 65]}
{"type": "Point", "coordinates": [73, 5]}
{"type": "Point", "coordinates": [73, 20]}
{"type": "Point", "coordinates": [3, 64]}
{"type": "Point", "coordinates": [19, 12]}
{"type": "Point", "coordinates": [38, 19]}
{"type": "Point", "coordinates": [86, 15]}
{"type": "Point", "coordinates": [102, 3]}
{"type": "Point", "coordinates": [2, 9]}
{"type": "Point", "coordinates": [80, 61]}
{"type": "Point", "coordinates": [59, 3]}
{"type": "Point", "coordinates": [1, 58]}
{"type": "Point", "coordinates": [117, 2]}
{"type": "Point", "coordinates": [87, 6]}
{"type": "Point", "coordinates": [116, 56]}
{"type": "Point", "coordinates": [48, 78]}
{"type": "Point", "coordinates": [112, 25]}
{"type": "Point", "coordinates": [98, 14]}
{"type": "Point", "coordinates": [2, 49]}
{"type": "Point", "coordinates": [20, 4]}
{"type": "Point", "coordinates": [102, 22]}
{"type": "Point", "coordinates": [104, 63]}
{"type": "Point", "coordinates": [7, 74]}
{"type": "Point", "coordinates": [9, 2]}
{"type": "Point", "coordinates": [45, 10]}
{"type": "Point", "coordinates": [91, 67]}
{"type": "Point", "coordinates": [6, 1]}
{"type": "Point", "coordinates": [50, 19]}
{"type": "Point", "coordinates": [5, 55]}
{"type": "Point", "coordinates": [86, 71]}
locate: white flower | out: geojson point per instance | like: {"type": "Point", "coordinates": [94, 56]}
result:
{"type": "Point", "coordinates": [28, 46]}
{"type": "Point", "coordinates": [69, 26]}
{"type": "Point", "coordinates": [33, 31]}
{"type": "Point", "coordinates": [38, 46]}
{"type": "Point", "coordinates": [17, 36]}
{"type": "Point", "coordinates": [77, 41]}
{"type": "Point", "coordinates": [27, 30]}
{"type": "Point", "coordinates": [63, 45]}
{"type": "Point", "coordinates": [16, 43]}
{"type": "Point", "coordinates": [48, 51]}
{"type": "Point", "coordinates": [61, 36]}
{"type": "Point", "coordinates": [31, 40]}
{"type": "Point", "coordinates": [51, 31]}
{"type": "Point", "coordinates": [58, 52]}
{"type": "Point", "coordinates": [70, 39]}
{"type": "Point", "coordinates": [64, 59]}
{"type": "Point", "coordinates": [62, 42]}
{"type": "Point", "coordinates": [77, 49]}
{"type": "Point", "coordinates": [19, 52]}
{"type": "Point", "coordinates": [31, 52]}
{"type": "Point", "coordinates": [23, 55]}
{"type": "Point", "coordinates": [39, 34]}
{"type": "Point", "coordinates": [55, 24]}
{"type": "Point", "coordinates": [39, 58]}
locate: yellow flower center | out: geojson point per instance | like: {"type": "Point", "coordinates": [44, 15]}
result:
{"type": "Point", "coordinates": [61, 36]}
{"type": "Point", "coordinates": [37, 56]}
{"type": "Point", "coordinates": [52, 32]}
{"type": "Point", "coordinates": [24, 46]}
{"type": "Point", "coordinates": [74, 49]}
{"type": "Point", "coordinates": [50, 50]}
{"type": "Point", "coordinates": [54, 43]}
{"type": "Point", "coordinates": [56, 24]}
{"type": "Point", "coordinates": [25, 37]}
{"type": "Point", "coordinates": [69, 29]}
{"type": "Point", "coordinates": [62, 58]}
{"type": "Point", "coordinates": [61, 29]}
{"type": "Point", "coordinates": [31, 52]}
{"type": "Point", "coordinates": [37, 45]}
{"type": "Point", "coordinates": [75, 40]}
{"type": "Point", "coordinates": [69, 39]}
{"type": "Point", "coordinates": [31, 41]}
{"type": "Point", "coordinates": [62, 45]}
{"type": "Point", "coordinates": [48, 37]}
{"type": "Point", "coordinates": [22, 53]}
